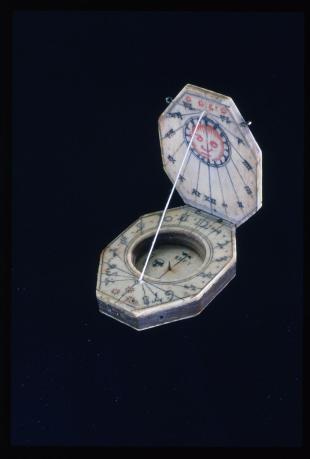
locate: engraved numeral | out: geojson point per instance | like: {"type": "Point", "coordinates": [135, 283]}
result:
{"type": "Point", "coordinates": [247, 165]}
{"type": "Point", "coordinates": [196, 192]}
{"type": "Point", "coordinates": [170, 133]}
{"type": "Point", "coordinates": [140, 226]}
{"type": "Point", "coordinates": [190, 287]}
{"type": "Point", "coordinates": [109, 273]}
{"type": "Point", "coordinates": [158, 262]}
{"type": "Point", "coordinates": [184, 217]}
{"type": "Point", "coordinates": [157, 299]}
{"type": "Point", "coordinates": [146, 300]}
{"type": "Point", "coordinates": [209, 199]}
{"type": "Point", "coordinates": [225, 118]}
{"type": "Point", "coordinates": [221, 245]}
{"type": "Point", "coordinates": [203, 223]}
{"type": "Point", "coordinates": [123, 240]}
{"type": "Point", "coordinates": [175, 115]}
{"type": "Point", "coordinates": [169, 294]}
{"type": "Point", "coordinates": [108, 281]}
{"type": "Point", "coordinates": [188, 105]}
{"type": "Point", "coordinates": [131, 300]}
{"type": "Point", "coordinates": [221, 258]}
{"type": "Point", "coordinates": [171, 159]}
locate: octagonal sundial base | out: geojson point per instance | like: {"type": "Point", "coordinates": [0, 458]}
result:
{"type": "Point", "coordinates": [193, 260]}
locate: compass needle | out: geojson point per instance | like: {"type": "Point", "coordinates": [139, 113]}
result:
{"type": "Point", "coordinates": [169, 265]}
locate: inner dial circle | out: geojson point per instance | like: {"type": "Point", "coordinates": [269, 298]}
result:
{"type": "Point", "coordinates": [174, 258]}
{"type": "Point", "coordinates": [210, 144]}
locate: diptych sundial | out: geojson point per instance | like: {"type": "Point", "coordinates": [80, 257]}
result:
{"type": "Point", "coordinates": [169, 265]}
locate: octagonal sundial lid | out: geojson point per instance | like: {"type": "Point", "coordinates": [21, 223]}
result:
{"type": "Point", "coordinates": [222, 174]}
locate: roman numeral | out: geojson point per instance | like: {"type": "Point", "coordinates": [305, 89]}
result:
{"type": "Point", "coordinates": [247, 165]}
{"type": "Point", "coordinates": [209, 199]}
{"type": "Point", "coordinates": [196, 192]}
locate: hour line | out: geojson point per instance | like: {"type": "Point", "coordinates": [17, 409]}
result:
{"type": "Point", "coordinates": [119, 269]}
{"type": "Point", "coordinates": [122, 279]}
{"type": "Point", "coordinates": [175, 152]}
{"type": "Point", "coordinates": [222, 193]}
{"type": "Point", "coordinates": [156, 286]}
{"type": "Point", "coordinates": [245, 185]}
{"type": "Point", "coordinates": [129, 277]}
{"type": "Point", "coordinates": [126, 293]}
{"type": "Point", "coordinates": [189, 157]}
{"type": "Point", "coordinates": [209, 176]}
{"type": "Point", "coordinates": [174, 131]}
{"type": "Point", "coordinates": [198, 174]}
{"type": "Point", "coordinates": [215, 229]}
{"type": "Point", "coordinates": [238, 200]}
{"type": "Point", "coordinates": [240, 155]}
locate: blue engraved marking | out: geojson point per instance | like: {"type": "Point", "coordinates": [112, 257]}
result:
{"type": "Point", "coordinates": [225, 118]}
{"type": "Point", "coordinates": [169, 134]}
{"type": "Point", "coordinates": [247, 165]}
{"type": "Point", "coordinates": [209, 199]}
{"type": "Point", "coordinates": [171, 159]}
{"type": "Point", "coordinates": [175, 115]}
{"type": "Point", "coordinates": [196, 192]}
{"type": "Point", "coordinates": [188, 105]}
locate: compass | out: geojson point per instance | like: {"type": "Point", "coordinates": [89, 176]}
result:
{"type": "Point", "coordinates": [169, 265]}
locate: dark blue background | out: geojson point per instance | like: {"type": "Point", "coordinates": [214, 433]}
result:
{"type": "Point", "coordinates": [87, 91]}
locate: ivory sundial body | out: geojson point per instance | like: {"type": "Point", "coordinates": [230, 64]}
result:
{"type": "Point", "coordinates": [194, 257]}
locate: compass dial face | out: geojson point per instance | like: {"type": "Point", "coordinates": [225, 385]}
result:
{"type": "Point", "coordinates": [193, 250]}
{"type": "Point", "coordinates": [222, 172]}
{"type": "Point", "coordinates": [171, 262]}
{"type": "Point", "coordinates": [210, 143]}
